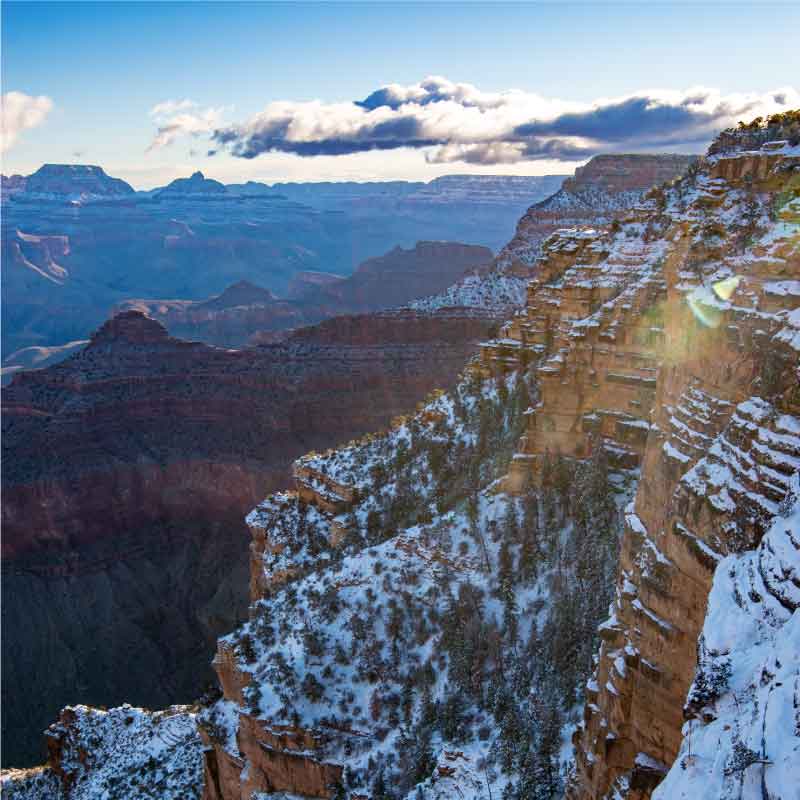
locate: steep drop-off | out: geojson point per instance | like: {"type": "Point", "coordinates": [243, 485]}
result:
{"type": "Point", "coordinates": [425, 602]}
{"type": "Point", "coordinates": [672, 339]}
{"type": "Point", "coordinates": [127, 471]}
{"type": "Point", "coordinates": [666, 343]}
{"type": "Point", "coordinates": [599, 191]}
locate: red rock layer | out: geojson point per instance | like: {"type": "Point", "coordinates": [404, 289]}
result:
{"type": "Point", "coordinates": [144, 447]}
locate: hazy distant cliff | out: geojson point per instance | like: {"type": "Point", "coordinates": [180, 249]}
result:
{"type": "Point", "coordinates": [387, 281]}
{"type": "Point", "coordinates": [77, 242]}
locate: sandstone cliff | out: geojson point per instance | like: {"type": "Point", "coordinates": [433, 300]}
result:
{"type": "Point", "coordinates": [670, 340]}
{"type": "Point", "coordinates": [666, 343]}
{"type": "Point", "coordinates": [425, 602]}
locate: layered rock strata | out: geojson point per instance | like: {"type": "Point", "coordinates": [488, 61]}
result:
{"type": "Point", "coordinates": [722, 447]}
{"type": "Point", "coordinates": [670, 340]}
{"type": "Point", "coordinates": [607, 187]}
{"type": "Point", "coordinates": [77, 242]}
{"type": "Point", "coordinates": [674, 335]}
{"type": "Point", "coordinates": [128, 469]}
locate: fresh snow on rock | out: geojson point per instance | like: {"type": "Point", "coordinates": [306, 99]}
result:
{"type": "Point", "coordinates": [125, 752]}
{"type": "Point", "coordinates": [743, 739]}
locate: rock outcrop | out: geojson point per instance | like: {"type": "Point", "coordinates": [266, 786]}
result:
{"type": "Point", "coordinates": [606, 186]}
{"type": "Point", "coordinates": [742, 706]}
{"type": "Point", "coordinates": [718, 458]}
{"type": "Point", "coordinates": [319, 726]}
{"type": "Point", "coordinates": [131, 465]}
{"type": "Point", "coordinates": [668, 342]}
{"type": "Point", "coordinates": [124, 752]}
{"type": "Point", "coordinates": [74, 182]}
{"type": "Point", "coordinates": [195, 185]}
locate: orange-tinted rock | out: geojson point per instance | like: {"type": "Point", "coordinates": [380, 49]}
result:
{"type": "Point", "coordinates": [714, 356]}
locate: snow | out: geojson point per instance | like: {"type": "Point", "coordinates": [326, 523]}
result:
{"type": "Point", "coordinates": [753, 623]}
{"type": "Point", "coordinates": [494, 291]}
{"type": "Point", "coordinates": [672, 452]}
{"type": "Point", "coordinates": [122, 752]}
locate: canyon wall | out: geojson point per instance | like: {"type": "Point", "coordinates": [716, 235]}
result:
{"type": "Point", "coordinates": [670, 340]}
{"type": "Point", "coordinates": [244, 311]}
{"type": "Point", "coordinates": [606, 187]}
{"type": "Point", "coordinates": [420, 598]}
{"type": "Point", "coordinates": [127, 471]}
{"type": "Point", "coordinates": [721, 451]}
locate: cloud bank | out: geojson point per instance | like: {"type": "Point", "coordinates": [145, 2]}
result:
{"type": "Point", "coordinates": [21, 112]}
{"type": "Point", "coordinates": [459, 122]}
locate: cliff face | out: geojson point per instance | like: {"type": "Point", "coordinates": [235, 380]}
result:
{"type": "Point", "coordinates": [671, 341]}
{"type": "Point", "coordinates": [348, 611]}
{"type": "Point", "coordinates": [602, 189]}
{"type": "Point", "coordinates": [742, 707]}
{"type": "Point", "coordinates": [425, 602]}
{"type": "Point", "coordinates": [608, 184]}
{"type": "Point", "coordinates": [128, 469]}
{"type": "Point", "coordinates": [718, 460]}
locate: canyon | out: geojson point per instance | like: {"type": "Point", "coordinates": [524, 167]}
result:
{"type": "Point", "coordinates": [128, 469]}
{"type": "Point", "coordinates": [76, 241]}
{"type": "Point", "coordinates": [665, 344]}
{"type": "Point", "coordinates": [244, 312]}
{"type": "Point", "coordinates": [425, 602]}
{"type": "Point", "coordinates": [179, 491]}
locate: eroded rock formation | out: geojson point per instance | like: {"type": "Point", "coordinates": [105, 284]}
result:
{"type": "Point", "coordinates": [667, 340]}
{"type": "Point", "coordinates": [128, 469]}
{"type": "Point", "coordinates": [244, 312]}
{"type": "Point", "coordinates": [670, 340]}
{"type": "Point", "coordinates": [606, 187]}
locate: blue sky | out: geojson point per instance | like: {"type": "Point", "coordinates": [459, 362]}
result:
{"type": "Point", "coordinates": [104, 66]}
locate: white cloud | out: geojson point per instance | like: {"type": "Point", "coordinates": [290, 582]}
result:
{"type": "Point", "coordinates": [459, 122]}
{"type": "Point", "coordinates": [168, 107]}
{"type": "Point", "coordinates": [21, 112]}
{"type": "Point", "coordinates": [178, 118]}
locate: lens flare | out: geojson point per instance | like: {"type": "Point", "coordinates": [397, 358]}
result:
{"type": "Point", "coordinates": [707, 303]}
{"type": "Point", "coordinates": [724, 289]}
